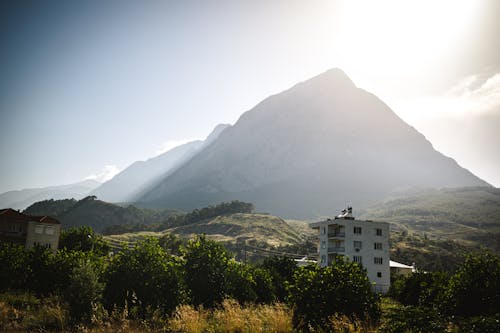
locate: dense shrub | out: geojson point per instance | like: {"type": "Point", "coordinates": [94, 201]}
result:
{"type": "Point", "coordinates": [83, 239]}
{"type": "Point", "coordinates": [421, 288]}
{"type": "Point", "coordinates": [206, 267]}
{"type": "Point", "coordinates": [343, 288]}
{"type": "Point", "coordinates": [475, 289]}
{"type": "Point", "coordinates": [281, 270]}
{"type": "Point", "coordinates": [144, 277]}
{"type": "Point", "coordinates": [416, 319]}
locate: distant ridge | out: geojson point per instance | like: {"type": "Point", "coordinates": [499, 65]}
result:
{"type": "Point", "coordinates": [23, 198]}
{"type": "Point", "coordinates": [139, 176]}
{"type": "Point", "coordinates": [307, 151]}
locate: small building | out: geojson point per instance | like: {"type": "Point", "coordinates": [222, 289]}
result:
{"type": "Point", "coordinates": [398, 268]}
{"type": "Point", "coordinates": [364, 242]}
{"type": "Point", "coordinates": [28, 230]}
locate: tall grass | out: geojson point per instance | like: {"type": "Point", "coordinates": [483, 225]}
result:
{"type": "Point", "coordinates": [232, 317]}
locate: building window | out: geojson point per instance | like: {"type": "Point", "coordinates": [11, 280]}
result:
{"type": "Point", "coordinates": [39, 229]}
{"type": "Point", "coordinates": [358, 244]}
{"type": "Point", "coordinates": [323, 259]}
{"type": "Point", "coordinates": [379, 274]}
{"type": "Point", "coordinates": [323, 244]}
{"type": "Point", "coordinates": [379, 232]}
{"type": "Point", "coordinates": [377, 260]}
{"type": "Point", "coordinates": [357, 230]}
{"type": "Point", "coordinates": [357, 259]}
{"type": "Point", "coordinates": [378, 246]}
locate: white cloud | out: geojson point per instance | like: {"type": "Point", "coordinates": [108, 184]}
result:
{"type": "Point", "coordinates": [106, 173]}
{"type": "Point", "coordinates": [472, 96]}
{"type": "Point", "coordinates": [171, 144]}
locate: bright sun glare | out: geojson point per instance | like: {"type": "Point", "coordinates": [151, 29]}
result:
{"type": "Point", "coordinates": [400, 38]}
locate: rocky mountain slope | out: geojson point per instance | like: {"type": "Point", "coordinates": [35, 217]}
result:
{"type": "Point", "coordinates": [309, 150]}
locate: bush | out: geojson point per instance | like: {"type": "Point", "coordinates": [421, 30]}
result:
{"type": "Point", "coordinates": [416, 319]}
{"type": "Point", "coordinates": [481, 324]}
{"type": "Point", "coordinates": [420, 288]}
{"type": "Point", "coordinates": [317, 293]}
{"type": "Point", "coordinates": [475, 289]}
{"type": "Point", "coordinates": [281, 270]}
{"type": "Point", "coordinates": [144, 278]}
{"type": "Point", "coordinates": [84, 291]}
{"type": "Point", "coordinates": [83, 239]}
{"type": "Point", "coordinates": [206, 267]}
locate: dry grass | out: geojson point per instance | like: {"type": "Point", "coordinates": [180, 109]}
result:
{"type": "Point", "coordinates": [232, 318]}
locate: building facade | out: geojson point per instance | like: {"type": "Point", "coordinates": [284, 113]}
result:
{"type": "Point", "coordinates": [364, 242]}
{"type": "Point", "coordinates": [28, 230]}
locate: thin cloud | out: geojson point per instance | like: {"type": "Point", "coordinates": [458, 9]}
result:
{"type": "Point", "coordinates": [477, 93]}
{"type": "Point", "coordinates": [106, 173]}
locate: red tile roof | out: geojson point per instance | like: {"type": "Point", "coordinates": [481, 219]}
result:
{"type": "Point", "coordinates": [11, 214]}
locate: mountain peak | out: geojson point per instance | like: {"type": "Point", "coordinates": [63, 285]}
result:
{"type": "Point", "coordinates": [334, 76]}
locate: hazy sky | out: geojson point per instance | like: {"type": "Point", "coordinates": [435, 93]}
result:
{"type": "Point", "coordinates": [88, 87]}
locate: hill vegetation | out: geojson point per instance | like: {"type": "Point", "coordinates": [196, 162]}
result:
{"type": "Point", "coordinates": [470, 216]}
{"type": "Point", "coordinates": [96, 213]}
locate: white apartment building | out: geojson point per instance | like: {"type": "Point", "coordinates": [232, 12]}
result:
{"type": "Point", "coordinates": [364, 242]}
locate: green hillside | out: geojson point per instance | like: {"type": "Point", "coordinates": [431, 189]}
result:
{"type": "Point", "coordinates": [470, 216]}
{"type": "Point", "coordinates": [96, 213]}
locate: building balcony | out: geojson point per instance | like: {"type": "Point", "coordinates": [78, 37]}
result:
{"type": "Point", "coordinates": [336, 234]}
{"type": "Point", "coordinates": [336, 249]}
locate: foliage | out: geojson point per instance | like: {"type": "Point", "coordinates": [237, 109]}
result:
{"type": "Point", "coordinates": [281, 270]}
{"type": "Point", "coordinates": [172, 243]}
{"type": "Point", "coordinates": [319, 292]}
{"type": "Point", "coordinates": [83, 239]}
{"type": "Point", "coordinates": [420, 288]}
{"type": "Point", "coordinates": [84, 290]}
{"type": "Point", "coordinates": [475, 289]}
{"type": "Point", "coordinates": [96, 213]}
{"type": "Point", "coordinates": [480, 324]}
{"type": "Point", "coordinates": [417, 319]}
{"type": "Point", "coordinates": [198, 215]}
{"type": "Point", "coordinates": [206, 264]}
{"type": "Point", "coordinates": [144, 277]}
{"type": "Point", "coordinates": [13, 260]}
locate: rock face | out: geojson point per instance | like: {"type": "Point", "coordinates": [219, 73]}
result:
{"type": "Point", "coordinates": [140, 175]}
{"type": "Point", "coordinates": [309, 151]}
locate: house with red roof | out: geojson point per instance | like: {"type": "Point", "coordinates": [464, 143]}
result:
{"type": "Point", "coordinates": [28, 230]}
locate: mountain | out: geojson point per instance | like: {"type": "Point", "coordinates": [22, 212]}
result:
{"type": "Point", "coordinates": [96, 213]}
{"type": "Point", "coordinates": [24, 198]}
{"type": "Point", "coordinates": [135, 179]}
{"type": "Point", "coordinates": [309, 150]}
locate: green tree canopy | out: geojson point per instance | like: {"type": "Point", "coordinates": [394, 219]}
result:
{"type": "Point", "coordinates": [317, 293]}
{"type": "Point", "coordinates": [206, 265]}
{"type": "Point", "coordinates": [144, 276]}
{"type": "Point", "coordinates": [83, 239]}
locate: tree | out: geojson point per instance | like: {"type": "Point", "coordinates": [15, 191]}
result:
{"type": "Point", "coordinates": [316, 293]}
{"type": "Point", "coordinates": [281, 270]}
{"type": "Point", "coordinates": [144, 277]}
{"type": "Point", "coordinates": [171, 243]}
{"type": "Point", "coordinates": [475, 288]}
{"type": "Point", "coordinates": [84, 290]}
{"type": "Point", "coordinates": [83, 239]}
{"type": "Point", "coordinates": [421, 288]}
{"type": "Point", "coordinates": [13, 267]}
{"type": "Point", "coordinates": [206, 266]}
